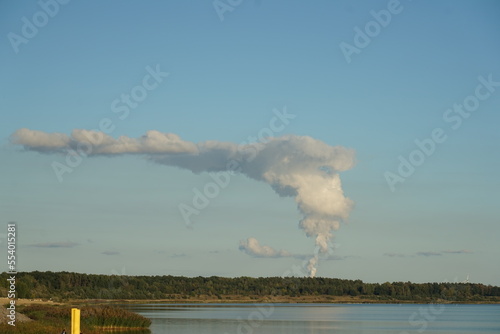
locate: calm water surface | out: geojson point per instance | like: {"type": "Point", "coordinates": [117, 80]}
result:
{"type": "Point", "coordinates": [320, 318]}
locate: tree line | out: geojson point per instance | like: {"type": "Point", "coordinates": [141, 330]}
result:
{"type": "Point", "coordinates": [70, 285]}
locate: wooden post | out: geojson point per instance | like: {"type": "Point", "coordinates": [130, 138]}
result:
{"type": "Point", "coordinates": [75, 321]}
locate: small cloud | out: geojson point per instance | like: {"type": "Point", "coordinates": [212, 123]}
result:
{"type": "Point", "coordinates": [56, 245]}
{"type": "Point", "coordinates": [340, 258]}
{"type": "Point", "coordinates": [461, 251]}
{"type": "Point", "coordinates": [394, 255]}
{"type": "Point", "coordinates": [176, 255]}
{"type": "Point", "coordinates": [326, 257]}
{"type": "Point", "coordinates": [428, 254]}
{"type": "Point", "coordinates": [110, 253]}
{"type": "Point", "coordinates": [252, 247]}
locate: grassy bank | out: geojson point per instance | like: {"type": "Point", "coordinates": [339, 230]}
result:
{"type": "Point", "coordinates": [94, 320]}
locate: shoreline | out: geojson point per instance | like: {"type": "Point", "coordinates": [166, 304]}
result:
{"type": "Point", "coordinates": [207, 300]}
{"type": "Point", "coordinates": [26, 301]}
{"type": "Point", "coordinates": [282, 300]}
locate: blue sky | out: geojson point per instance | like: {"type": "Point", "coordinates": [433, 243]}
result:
{"type": "Point", "coordinates": [226, 78]}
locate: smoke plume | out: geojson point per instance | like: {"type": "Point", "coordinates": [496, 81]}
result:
{"type": "Point", "coordinates": [297, 166]}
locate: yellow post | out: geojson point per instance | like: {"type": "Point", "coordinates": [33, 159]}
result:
{"type": "Point", "coordinates": [75, 321]}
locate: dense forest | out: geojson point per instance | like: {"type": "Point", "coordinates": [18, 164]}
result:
{"type": "Point", "coordinates": [60, 286]}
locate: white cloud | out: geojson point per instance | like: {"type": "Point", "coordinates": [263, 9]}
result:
{"type": "Point", "coordinates": [252, 247]}
{"type": "Point", "coordinates": [297, 166]}
{"type": "Point", "coordinates": [95, 142]}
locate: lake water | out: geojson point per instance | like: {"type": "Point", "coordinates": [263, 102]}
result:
{"type": "Point", "coordinates": [320, 318]}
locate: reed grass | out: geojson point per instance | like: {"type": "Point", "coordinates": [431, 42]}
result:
{"type": "Point", "coordinates": [50, 319]}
